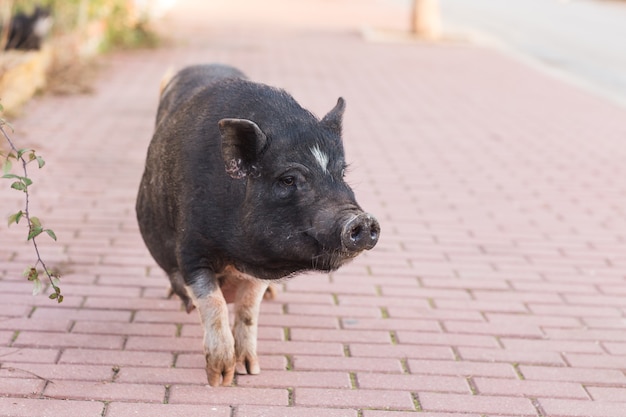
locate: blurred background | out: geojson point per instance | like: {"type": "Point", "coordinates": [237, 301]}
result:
{"type": "Point", "coordinates": [583, 41]}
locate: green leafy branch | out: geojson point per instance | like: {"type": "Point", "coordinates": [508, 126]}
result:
{"type": "Point", "coordinates": [25, 157]}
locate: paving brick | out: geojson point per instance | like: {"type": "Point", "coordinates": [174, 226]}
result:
{"type": "Point", "coordinates": [455, 403]}
{"type": "Point", "coordinates": [116, 357]}
{"type": "Point", "coordinates": [342, 336]}
{"type": "Point", "coordinates": [457, 368]}
{"type": "Point", "coordinates": [54, 372]}
{"type": "Point", "coordinates": [294, 320]}
{"type": "Point", "coordinates": [14, 354]}
{"type": "Point", "coordinates": [401, 351]}
{"type": "Point", "coordinates": [526, 388]}
{"type": "Point", "coordinates": [492, 329]}
{"type": "Point", "coordinates": [380, 413]}
{"type": "Point", "coordinates": [53, 314]}
{"type": "Point", "coordinates": [23, 323]}
{"type": "Point", "coordinates": [22, 407]}
{"type": "Point", "coordinates": [354, 398]}
{"type": "Point", "coordinates": [45, 339]}
{"type": "Point", "coordinates": [192, 394]}
{"type": "Point", "coordinates": [146, 329]}
{"type": "Point", "coordinates": [575, 408]}
{"type": "Point", "coordinates": [446, 339]}
{"type": "Point", "coordinates": [22, 387]}
{"type": "Point", "coordinates": [140, 409]}
{"type": "Point", "coordinates": [412, 383]}
{"type": "Point", "coordinates": [535, 357]}
{"type": "Point", "coordinates": [551, 345]}
{"type": "Point", "coordinates": [105, 391]}
{"type": "Point", "coordinates": [162, 376]}
{"type": "Point", "coordinates": [581, 360]}
{"type": "Point", "coordinates": [331, 363]}
{"type": "Point", "coordinates": [390, 324]}
{"type": "Point", "coordinates": [283, 379]}
{"type": "Point", "coordinates": [269, 411]}
{"type": "Point", "coordinates": [582, 375]}
{"type": "Point", "coordinates": [610, 394]}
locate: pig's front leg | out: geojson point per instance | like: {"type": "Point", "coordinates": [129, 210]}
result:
{"type": "Point", "coordinates": [247, 304]}
{"type": "Point", "coordinates": [219, 344]}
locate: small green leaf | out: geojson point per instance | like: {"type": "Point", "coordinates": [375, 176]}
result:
{"type": "Point", "coordinates": [18, 185]}
{"type": "Point", "coordinates": [35, 221]}
{"type": "Point", "coordinates": [11, 176]}
{"type": "Point", "coordinates": [51, 234]}
{"type": "Point", "coordinates": [53, 296]}
{"type": "Point", "coordinates": [60, 298]}
{"type": "Point", "coordinates": [40, 162]}
{"type": "Point", "coordinates": [55, 281]}
{"type": "Point", "coordinates": [22, 152]}
{"type": "Point", "coordinates": [15, 218]}
{"type": "Point", "coordinates": [34, 232]}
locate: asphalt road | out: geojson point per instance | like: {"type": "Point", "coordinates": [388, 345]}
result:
{"type": "Point", "coordinates": [582, 40]}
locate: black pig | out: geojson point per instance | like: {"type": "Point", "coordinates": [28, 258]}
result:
{"type": "Point", "coordinates": [243, 186]}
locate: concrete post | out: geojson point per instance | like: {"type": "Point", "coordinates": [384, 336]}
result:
{"type": "Point", "coordinates": [425, 21]}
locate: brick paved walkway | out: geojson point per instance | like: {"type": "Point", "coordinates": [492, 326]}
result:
{"type": "Point", "coordinates": [498, 287]}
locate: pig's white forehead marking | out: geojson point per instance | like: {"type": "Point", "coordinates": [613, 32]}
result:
{"type": "Point", "coordinates": [320, 157]}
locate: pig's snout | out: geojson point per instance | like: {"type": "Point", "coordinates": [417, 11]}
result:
{"type": "Point", "coordinates": [360, 233]}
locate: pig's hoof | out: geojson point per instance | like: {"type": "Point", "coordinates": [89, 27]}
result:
{"type": "Point", "coordinates": [248, 365]}
{"type": "Point", "coordinates": [219, 373]}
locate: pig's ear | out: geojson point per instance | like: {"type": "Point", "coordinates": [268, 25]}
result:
{"type": "Point", "coordinates": [334, 117]}
{"type": "Point", "coordinates": [242, 142]}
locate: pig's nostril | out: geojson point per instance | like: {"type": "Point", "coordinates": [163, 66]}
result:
{"type": "Point", "coordinates": [356, 232]}
{"type": "Point", "coordinates": [360, 233]}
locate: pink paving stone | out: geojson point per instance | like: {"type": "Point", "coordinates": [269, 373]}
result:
{"type": "Point", "coordinates": [22, 407]}
{"type": "Point", "coordinates": [293, 320]}
{"type": "Point", "coordinates": [14, 354]}
{"type": "Point", "coordinates": [44, 339]}
{"type": "Point", "coordinates": [116, 357]}
{"type": "Point", "coordinates": [400, 351]}
{"type": "Point", "coordinates": [526, 388]}
{"type": "Point", "coordinates": [22, 323]}
{"type": "Point", "coordinates": [163, 376]}
{"type": "Point", "coordinates": [581, 360]}
{"type": "Point", "coordinates": [265, 332]}
{"type": "Point", "coordinates": [385, 399]}
{"type": "Point", "coordinates": [268, 411]}
{"type": "Point", "coordinates": [56, 372]}
{"type": "Point", "coordinates": [511, 356]}
{"type": "Point", "coordinates": [52, 314]}
{"type": "Point", "coordinates": [447, 339]}
{"type": "Point", "coordinates": [460, 368]}
{"type": "Point", "coordinates": [140, 409]}
{"type": "Point", "coordinates": [412, 383]}
{"type": "Point", "coordinates": [21, 387]}
{"type": "Point", "coordinates": [334, 311]}
{"type": "Point", "coordinates": [577, 408]}
{"type": "Point", "coordinates": [551, 345]}
{"type": "Point", "coordinates": [192, 394]}
{"type": "Point", "coordinates": [341, 336]}
{"type": "Point", "coordinates": [380, 413]}
{"type": "Point", "coordinates": [105, 391]}
{"type": "Point", "coordinates": [331, 363]}
{"type": "Point", "coordinates": [491, 329]}
{"type": "Point", "coordinates": [390, 324]}
{"type": "Point", "coordinates": [147, 329]}
{"type": "Point", "coordinates": [581, 375]}
{"type": "Point", "coordinates": [270, 347]}
{"type": "Point", "coordinates": [610, 394]}
{"type": "Point", "coordinates": [282, 379]}
{"type": "Point", "coordinates": [167, 344]}
{"type": "Point", "coordinates": [454, 403]}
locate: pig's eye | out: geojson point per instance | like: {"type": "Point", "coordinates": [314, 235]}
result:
{"type": "Point", "coordinates": [288, 181]}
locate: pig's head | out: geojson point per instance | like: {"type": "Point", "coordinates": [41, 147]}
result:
{"type": "Point", "coordinates": [298, 212]}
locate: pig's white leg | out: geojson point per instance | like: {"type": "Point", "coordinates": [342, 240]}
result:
{"type": "Point", "coordinates": [249, 295]}
{"type": "Point", "coordinates": [219, 344]}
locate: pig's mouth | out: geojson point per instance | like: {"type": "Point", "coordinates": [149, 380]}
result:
{"type": "Point", "coordinates": [330, 260]}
